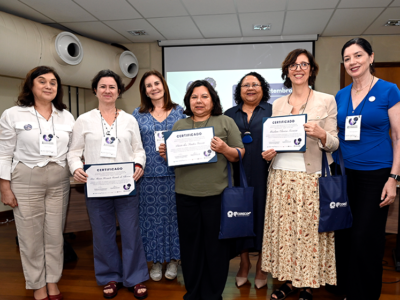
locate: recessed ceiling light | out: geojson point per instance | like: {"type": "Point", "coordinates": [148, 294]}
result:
{"type": "Point", "coordinates": [393, 23]}
{"type": "Point", "coordinates": [138, 32]}
{"type": "Point", "coordinates": [262, 27]}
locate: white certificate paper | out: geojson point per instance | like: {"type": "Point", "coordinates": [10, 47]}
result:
{"type": "Point", "coordinates": [110, 180]}
{"type": "Point", "coordinates": [285, 133]}
{"type": "Point", "coordinates": [189, 147]}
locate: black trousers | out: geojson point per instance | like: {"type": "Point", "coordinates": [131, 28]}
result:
{"type": "Point", "coordinates": [360, 249]}
{"type": "Point", "coordinates": [204, 258]}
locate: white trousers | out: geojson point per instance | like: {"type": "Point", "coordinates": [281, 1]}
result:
{"type": "Point", "coordinates": [42, 195]}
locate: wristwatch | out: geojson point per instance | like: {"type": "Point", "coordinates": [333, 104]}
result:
{"type": "Point", "coordinates": [396, 177]}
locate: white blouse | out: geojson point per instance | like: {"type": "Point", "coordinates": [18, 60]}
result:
{"type": "Point", "coordinates": [87, 137]}
{"type": "Point", "coordinates": [19, 138]}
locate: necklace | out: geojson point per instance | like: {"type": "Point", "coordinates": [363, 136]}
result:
{"type": "Point", "coordinates": [358, 91]}
{"type": "Point", "coordinates": [302, 103]}
{"type": "Point", "coordinates": [201, 123]}
{"type": "Point", "coordinates": [104, 123]}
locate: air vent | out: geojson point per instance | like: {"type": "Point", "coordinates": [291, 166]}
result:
{"type": "Point", "coordinates": [69, 48]}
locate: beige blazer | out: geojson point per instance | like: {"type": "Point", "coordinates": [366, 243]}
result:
{"type": "Point", "coordinates": [321, 108]}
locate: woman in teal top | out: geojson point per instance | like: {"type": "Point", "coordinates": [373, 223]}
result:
{"type": "Point", "coordinates": [367, 109]}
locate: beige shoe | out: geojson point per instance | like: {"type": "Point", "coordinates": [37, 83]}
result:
{"type": "Point", "coordinates": [241, 280]}
{"type": "Point", "coordinates": [156, 272]}
{"type": "Point", "coordinates": [260, 283]}
{"type": "Point", "coordinates": [172, 270]}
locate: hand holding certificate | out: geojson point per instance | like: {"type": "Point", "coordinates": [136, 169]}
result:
{"type": "Point", "coordinates": [285, 133]}
{"type": "Point", "coordinates": [188, 147]}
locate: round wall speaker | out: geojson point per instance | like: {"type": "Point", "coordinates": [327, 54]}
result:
{"type": "Point", "coordinates": [129, 64]}
{"type": "Point", "coordinates": [69, 48]}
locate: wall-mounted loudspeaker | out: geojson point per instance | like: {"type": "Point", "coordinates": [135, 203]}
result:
{"type": "Point", "coordinates": [129, 64]}
{"type": "Point", "coordinates": [69, 49]}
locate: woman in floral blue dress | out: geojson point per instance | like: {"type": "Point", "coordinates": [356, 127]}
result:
{"type": "Point", "coordinates": [158, 221]}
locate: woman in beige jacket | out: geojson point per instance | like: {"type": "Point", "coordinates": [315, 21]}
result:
{"type": "Point", "coordinates": [293, 250]}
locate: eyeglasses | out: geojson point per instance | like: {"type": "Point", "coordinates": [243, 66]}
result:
{"type": "Point", "coordinates": [247, 86]}
{"type": "Point", "coordinates": [303, 66]}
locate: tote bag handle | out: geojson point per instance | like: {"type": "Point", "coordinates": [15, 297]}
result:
{"type": "Point", "coordinates": [243, 180]}
{"type": "Point", "coordinates": [325, 165]}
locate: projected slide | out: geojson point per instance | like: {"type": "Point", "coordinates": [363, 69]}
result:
{"type": "Point", "coordinates": [224, 83]}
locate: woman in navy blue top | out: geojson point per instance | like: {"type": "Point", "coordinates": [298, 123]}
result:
{"type": "Point", "coordinates": [251, 95]}
{"type": "Point", "coordinates": [367, 109]}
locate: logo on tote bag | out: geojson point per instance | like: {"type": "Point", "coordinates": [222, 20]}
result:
{"type": "Point", "coordinates": [238, 214]}
{"type": "Point", "coordinates": [333, 205]}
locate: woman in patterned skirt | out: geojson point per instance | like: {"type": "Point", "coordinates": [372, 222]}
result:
{"type": "Point", "coordinates": [158, 222]}
{"type": "Point", "coordinates": [293, 250]}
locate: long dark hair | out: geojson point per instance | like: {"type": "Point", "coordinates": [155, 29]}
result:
{"type": "Point", "coordinates": [264, 87]}
{"type": "Point", "coordinates": [26, 98]}
{"type": "Point", "coordinates": [145, 102]}
{"type": "Point", "coordinates": [363, 43]}
{"type": "Point", "coordinates": [217, 108]}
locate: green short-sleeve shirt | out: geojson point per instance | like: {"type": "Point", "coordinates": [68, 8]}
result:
{"type": "Point", "coordinates": [207, 179]}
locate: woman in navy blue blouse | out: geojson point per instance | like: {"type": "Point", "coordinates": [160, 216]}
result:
{"type": "Point", "coordinates": [251, 96]}
{"type": "Point", "coordinates": [367, 109]}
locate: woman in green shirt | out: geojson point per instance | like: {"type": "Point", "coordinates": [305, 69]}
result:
{"type": "Point", "coordinates": [205, 258]}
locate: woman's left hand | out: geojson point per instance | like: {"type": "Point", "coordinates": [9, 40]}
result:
{"type": "Point", "coordinates": [314, 130]}
{"type": "Point", "coordinates": [218, 145]}
{"type": "Point", "coordinates": [388, 192]}
{"type": "Point", "coordinates": [138, 173]}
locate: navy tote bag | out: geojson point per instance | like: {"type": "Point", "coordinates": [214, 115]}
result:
{"type": "Point", "coordinates": [237, 207]}
{"type": "Point", "coordinates": [334, 206]}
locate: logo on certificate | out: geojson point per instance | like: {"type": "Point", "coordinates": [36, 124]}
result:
{"type": "Point", "coordinates": [297, 141]}
{"type": "Point", "coordinates": [127, 187]}
{"type": "Point", "coordinates": [207, 153]}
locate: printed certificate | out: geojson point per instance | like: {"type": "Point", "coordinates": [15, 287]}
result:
{"type": "Point", "coordinates": [110, 180]}
{"type": "Point", "coordinates": [285, 133]}
{"type": "Point", "coordinates": [189, 147]}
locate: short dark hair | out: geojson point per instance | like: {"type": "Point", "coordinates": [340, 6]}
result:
{"type": "Point", "coordinates": [26, 98]}
{"type": "Point", "coordinates": [217, 108]}
{"type": "Point", "coordinates": [264, 87]}
{"type": "Point", "coordinates": [291, 59]}
{"type": "Point", "coordinates": [145, 103]}
{"type": "Point", "coordinates": [108, 73]}
{"type": "Point", "coordinates": [363, 43]}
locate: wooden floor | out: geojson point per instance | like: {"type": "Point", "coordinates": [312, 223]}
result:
{"type": "Point", "coordinates": [78, 280]}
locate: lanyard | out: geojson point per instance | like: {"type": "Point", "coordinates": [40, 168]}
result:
{"type": "Point", "coordinates": [52, 121]}
{"type": "Point", "coordinates": [306, 101]}
{"type": "Point", "coordinates": [348, 103]}
{"type": "Point", "coordinates": [111, 127]}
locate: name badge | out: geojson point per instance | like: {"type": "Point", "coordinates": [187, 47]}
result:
{"type": "Point", "coordinates": [352, 130]}
{"type": "Point", "coordinates": [109, 146]}
{"type": "Point", "coordinates": [159, 138]}
{"type": "Point", "coordinates": [48, 144]}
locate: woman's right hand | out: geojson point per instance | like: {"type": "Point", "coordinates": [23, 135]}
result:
{"type": "Point", "coordinates": [80, 175]}
{"type": "Point", "coordinates": [8, 198]}
{"type": "Point", "coordinates": [268, 155]}
{"type": "Point", "coordinates": [163, 151]}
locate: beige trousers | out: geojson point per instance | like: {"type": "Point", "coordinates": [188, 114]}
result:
{"type": "Point", "coordinates": [42, 195]}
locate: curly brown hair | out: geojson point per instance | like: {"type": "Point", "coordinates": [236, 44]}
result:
{"type": "Point", "coordinates": [26, 98]}
{"type": "Point", "coordinates": [145, 103]}
{"type": "Point", "coordinates": [291, 59]}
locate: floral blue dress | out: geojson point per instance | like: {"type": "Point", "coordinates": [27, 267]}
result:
{"type": "Point", "coordinates": [157, 214]}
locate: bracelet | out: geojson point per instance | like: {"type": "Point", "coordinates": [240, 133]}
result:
{"type": "Point", "coordinates": [139, 166]}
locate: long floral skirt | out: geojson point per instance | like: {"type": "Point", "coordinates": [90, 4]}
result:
{"type": "Point", "coordinates": [292, 247]}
